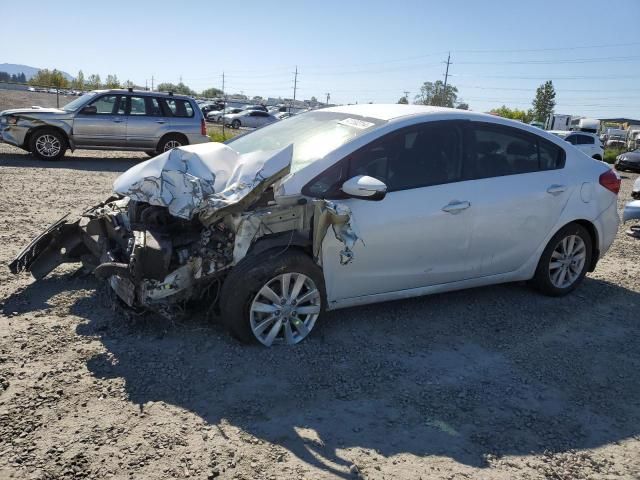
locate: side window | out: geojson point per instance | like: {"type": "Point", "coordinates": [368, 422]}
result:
{"type": "Point", "coordinates": [551, 156]}
{"type": "Point", "coordinates": [105, 105]}
{"type": "Point", "coordinates": [178, 107]}
{"type": "Point", "coordinates": [585, 140]}
{"type": "Point", "coordinates": [572, 139]}
{"type": "Point", "coordinates": [153, 107]}
{"type": "Point", "coordinates": [138, 106]}
{"type": "Point", "coordinates": [496, 151]}
{"type": "Point", "coordinates": [419, 156]}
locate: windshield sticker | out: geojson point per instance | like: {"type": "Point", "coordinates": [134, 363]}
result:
{"type": "Point", "coordinates": [359, 124]}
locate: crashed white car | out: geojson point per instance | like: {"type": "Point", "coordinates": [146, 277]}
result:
{"type": "Point", "coordinates": [339, 207]}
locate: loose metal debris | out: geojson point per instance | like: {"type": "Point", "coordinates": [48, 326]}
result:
{"type": "Point", "coordinates": [180, 221]}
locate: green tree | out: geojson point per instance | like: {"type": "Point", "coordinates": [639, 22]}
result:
{"type": "Point", "coordinates": [212, 92]}
{"type": "Point", "coordinates": [513, 114]}
{"type": "Point", "coordinates": [180, 88]}
{"type": "Point", "coordinates": [112, 82]}
{"type": "Point", "coordinates": [94, 82]}
{"type": "Point", "coordinates": [434, 93]}
{"type": "Point", "coordinates": [403, 100]}
{"type": "Point", "coordinates": [49, 78]}
{"type": "Point", "coordinates": [78, 82]}
{"type": "Point", "coordinates": [544, 102]}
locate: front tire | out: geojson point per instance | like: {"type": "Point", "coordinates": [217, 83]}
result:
{"type": "Point", "coordinates": [235, 124]}
{"type": "Point", "coordinates": [48, 144]}
{"type": "Point", "coordinates": [273, 298]}
{"type": "Point", "coordinates": [564, 262]}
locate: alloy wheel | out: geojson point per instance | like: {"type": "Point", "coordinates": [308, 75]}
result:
{"type": "Point", "coordinates": [567, 261]}
{"type": "Point", "coordinates": [171, 144]}
{"type": "Point", "coordinates": [285, 309]}
{"type": "Point", "coordinates": [48, 146]}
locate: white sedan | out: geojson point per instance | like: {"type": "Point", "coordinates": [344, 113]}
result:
{"type": "Point", "coordinates": [339, 207]}
{"type": "Point", "coordinates": [249, 118]}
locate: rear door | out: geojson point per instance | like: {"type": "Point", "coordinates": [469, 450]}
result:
{"type": "Point", "coordinates": [517, 188]}
{"type": "Point", "coordinates": [587, 144]}
{"type": "Point", "coordinates": [106, 128]}
{"type": "Point", "coordinates": [146, 122]}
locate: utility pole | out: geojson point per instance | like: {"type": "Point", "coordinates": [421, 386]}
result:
{"type": "Point", "coordinates": [446, 77]}
{"type": "Point", "coordinates": [152, 83]}
{"type": "Point", "coordinates": [295, 87]}
{"type": "Point", "coordinates": [224, 106]}
{"type": "Point", "coordinates": [406, 95]}
{"type": "Point", "coordinates": [328, 97]}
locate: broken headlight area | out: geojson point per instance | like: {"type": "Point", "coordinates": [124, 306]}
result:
{"type": "Point", "coordinates": [180, 221]}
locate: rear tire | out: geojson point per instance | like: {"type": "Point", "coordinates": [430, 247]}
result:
{"type": "Point", "coordinates": [564, 262]}
{"type": "Point", "coordinates": [243, 288]}
{"type": "Point", "coordinates": [169, 142]}
{"type": "Point", "coordinates": [236, 124]}
{"type": "Point", "coordinates": [48, 144]}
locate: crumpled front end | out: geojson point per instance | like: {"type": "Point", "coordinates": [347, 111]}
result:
{"type": "Point", "coordinates": [178, 222]}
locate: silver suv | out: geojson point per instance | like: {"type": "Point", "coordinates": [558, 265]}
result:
{"type": "Point", "coordinates": [151, 122]}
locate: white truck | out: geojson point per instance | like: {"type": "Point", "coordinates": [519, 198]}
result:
{"type": "Point", "coordinates": [581, 124]}
{"type": "Point", "coordinates": [558, 121]}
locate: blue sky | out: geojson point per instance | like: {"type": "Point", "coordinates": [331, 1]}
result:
{"type": "Point", "coordinates": [358, 51]}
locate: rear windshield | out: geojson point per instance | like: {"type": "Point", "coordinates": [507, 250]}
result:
{"type": "Point", "coordinates": [313, 135]}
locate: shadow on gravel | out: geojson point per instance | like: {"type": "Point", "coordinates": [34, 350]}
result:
{"type": "Point", "coordinates": [491, 371]}
{"type": "Point", "coordinates": [91, 164]}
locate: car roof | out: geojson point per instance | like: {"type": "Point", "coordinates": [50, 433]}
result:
{"type": "Point", "coordinates": [144, 93]}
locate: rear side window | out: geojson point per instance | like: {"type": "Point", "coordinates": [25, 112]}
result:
{"type": "Point", "coordinates": [496, 151]}
{"type": "Point", "coordinates": [572, 139]}
{"type": "Point", "coordinates": [585, 140]}
{"type": "Point", "coordinates": [178, 107]}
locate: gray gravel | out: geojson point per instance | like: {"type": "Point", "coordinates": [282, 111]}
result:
{"type": "Point", "coordinates": [495, 382]}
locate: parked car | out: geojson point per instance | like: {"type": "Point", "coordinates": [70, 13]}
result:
{"type": "Point", "coordinates": [632, 210]}
{"type": "Point", "coordinates": [616, 141]}
{"type": "Point", "coordinates": [216, 115]}
{"type": "Point", "coordinates": [255, 107]}
{"type": "Point", "coordinates": [249, 118]}
{"type": "Point", "coordinates": [589, 143]}
{"type": "Point", "coordinates": [340, 207]}
{"type": "Point", "coordinates": [210, 107]}
{"type": "Point", "coordinates": [107, 120]}
{"type": "Point", "coordinates": [628, 161]}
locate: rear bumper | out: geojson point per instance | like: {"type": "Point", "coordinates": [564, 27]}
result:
{"type": "Point", "coordinates": [607, 225]}
{"type": "Point", "coordinates": [197, 138]}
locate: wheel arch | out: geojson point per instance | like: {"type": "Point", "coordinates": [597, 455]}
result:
{"type": "Point", "coordinates": [27, 138]}
{"type": "Point", "coordinates": [597, 157]}
{"type": "Point", "coordinates": [595, 242]}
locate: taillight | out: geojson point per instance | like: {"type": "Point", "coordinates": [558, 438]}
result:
{"type": "Point", "coordinates": [203, 127]}
{"type": "Point", "coordinates": [610, 181]}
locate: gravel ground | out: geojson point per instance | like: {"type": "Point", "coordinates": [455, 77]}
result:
{"type": "Point", "coordinates": [490, 383]}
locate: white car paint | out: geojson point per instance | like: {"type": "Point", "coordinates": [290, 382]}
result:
{"type": "Point", "coordinates": [579, 139]}
{"type": "Point", "coordinates": [409, 246]}
{"type": "Point", "coordinates": [250, 118]}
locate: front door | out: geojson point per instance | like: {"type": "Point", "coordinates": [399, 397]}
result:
{"type": "Point", "coordinates": [418, 235]}
{"type": "Point", "coordinates": [106, 128]}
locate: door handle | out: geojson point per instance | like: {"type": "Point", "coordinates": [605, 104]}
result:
{"type": "Point", "coordinates": [161, 121]}
{"type": "Point", "coordinates": [117, 120]}
{"type": "Point", "coordinates": [456, 206]}
{"type": "Point", "coordinates": [556, 189]}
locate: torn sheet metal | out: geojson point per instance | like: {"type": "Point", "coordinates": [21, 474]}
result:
{"type": "Point", "coordinates": [338, 216]}
{"type": "Point", "coordinates": [203, 178]}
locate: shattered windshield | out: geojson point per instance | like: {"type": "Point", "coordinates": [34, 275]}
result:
{"type": "Point", "coordinates": [313, 135]}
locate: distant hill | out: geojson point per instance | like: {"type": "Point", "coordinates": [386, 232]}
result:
{"type": "Point", "coordinates": [15, 69]}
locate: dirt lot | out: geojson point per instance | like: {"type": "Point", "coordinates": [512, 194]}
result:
{"type": "Point", "coordinates": [23, 98]}
{"type": "Point", "coordinates": [495, 382]}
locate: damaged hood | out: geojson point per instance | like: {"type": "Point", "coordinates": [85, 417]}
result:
{"type": "Point", "coordinates": [204, 179]}
{"type": "Point", "coordinates": [36, 110]}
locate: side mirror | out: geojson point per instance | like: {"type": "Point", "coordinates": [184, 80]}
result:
{"type": "Point", "coordinates": [365, 188]}
{"type": "Point", "coordinates": [89, 110]}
